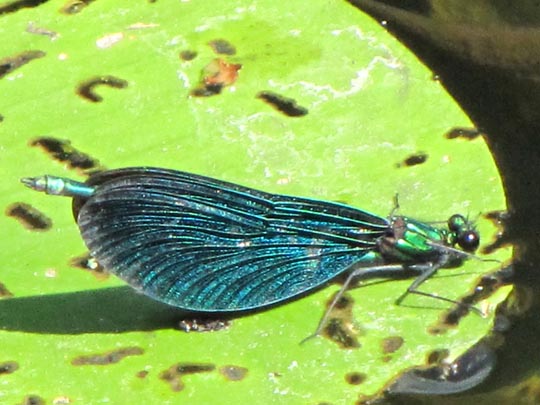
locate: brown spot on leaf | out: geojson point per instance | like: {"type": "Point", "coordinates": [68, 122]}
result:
{"type": "Point", "coordinates": [465, 133]}
{"type": "Point", "coordinates": [340, 326]}
{"type": "Point", "coordinates": [413, 160]}
{"type": "Point", "coordinates": [222, 47]}
{"type": "Point", "coordinates": [216, 75]}
{"type": "Point", "coordinates": [437, 330]}
{"type": "Point", "coordinates": [32, 400]}
{"type": "Point", "coordinates": [90, 264]}
{"type": "Point", "coordinates": [391, 344]}
{"type": "Point", "coordinates": [437, 356]}
{"type": "Point", "coordinates": [287, 106]}
{"type": "Point", "coordinates": [174, 374]}
{"type": "Point", "coordinates": [75, 6]}
{"type": "Point", "coordinates": [16, 5]}
{"type": "Point", "coordinates": [355, 378]}
{"type": "Point", "coordinates": [107, 358]}
{"type": "Point", "coordinates": [87, 88]}
{"type": "Point", "coordinates": [188, 55]}
{"type": "Point", "coordinates": [233, 373]}
{"type": "Point", "coordinates": [11, 63]}
{"type": "Point", "coordinates": [8, 367]}
{"type": "Point", "coordinates": [4, 292]}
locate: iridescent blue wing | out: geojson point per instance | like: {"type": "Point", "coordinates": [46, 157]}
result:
{"type": "Point", "coordinates": [208, 245]}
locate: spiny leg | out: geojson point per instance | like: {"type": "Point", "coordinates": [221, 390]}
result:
{"type": "Point", "coordinates": [362, 273]}
{"type": "Point", "coordinates": [388, 271]}
{"type": "Point", "coordinates": [426, 271]}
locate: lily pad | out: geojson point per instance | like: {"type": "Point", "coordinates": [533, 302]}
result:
{"type": "Point", "coordinates": [209, 88]}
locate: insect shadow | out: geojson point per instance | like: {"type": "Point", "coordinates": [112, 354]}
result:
{"type": "Point", "coordinates": [108, 310]}
{"type": "Point", "coordinates": [105, 310]}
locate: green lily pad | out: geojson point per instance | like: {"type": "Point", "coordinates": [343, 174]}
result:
{"type": "Point", "coordinates": [364, 105]}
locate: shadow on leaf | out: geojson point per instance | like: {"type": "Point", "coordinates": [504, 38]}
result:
{"type": "Point", "coordinates": [109, 310]}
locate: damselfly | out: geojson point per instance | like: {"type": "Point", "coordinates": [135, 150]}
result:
{"type": "Point", "coordinates": [207, 245]}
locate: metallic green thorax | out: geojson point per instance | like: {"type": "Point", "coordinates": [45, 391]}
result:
{"type": "Point", "coordinates": [412, 241]}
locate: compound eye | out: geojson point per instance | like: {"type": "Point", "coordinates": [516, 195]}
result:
{"type": "Point", "coordinates": [457, 222]}
{"type": "Point", "coordinates": [468, 240]}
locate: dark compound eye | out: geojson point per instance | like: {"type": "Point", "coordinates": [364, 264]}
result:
{"type": "Point", "coordinates": [468, 240]}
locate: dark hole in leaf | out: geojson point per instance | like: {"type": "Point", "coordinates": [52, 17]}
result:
{"type": "Point", "coordinates": [30, 217]}
{"type": "Point", "coordinates": [13, 6]}
{"type": "Point", "coordinates": [62, 151]}
{"type": "Point", "coordinates": [8, 367]}
{"type": "Point", "coordinates": [345, 302]}
{"type": "Point", "coordinates": [4, 292]}
{"type": "Point", "coordinates": [355, 378]}
{"type": "Point", "coordinates": [207, 91]}
{"type": "Point", "coordinates": [413, 160]}
{"type": "Point", "coordinates": [437, 356]}
{"type": "Point", "coordinates": [465, 133]}
{"type": "Point", "coordinates": [33, 400]}
{"type": "Point", "coordinates": [86, 88]}
{"type": "Point", "coordinates": [75, 6]}
{"type": "Point", "coordinates": [287, 106]}
{"type": "Point", "coordinates": [487, 285]}
{"type": "Point", "coordinates": [188, 55]}
{"type": "Point", "coordinates": [90, 264]}
{"type": "Point", "coordinates": [9, 64]}
{"type": "Point", "coordinates": [500, 241]}
{"type": "Point", "coordinates": [502, 238]}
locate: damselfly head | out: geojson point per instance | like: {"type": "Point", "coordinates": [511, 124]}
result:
{"type": "Point", "coordinates": [466, 237]}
